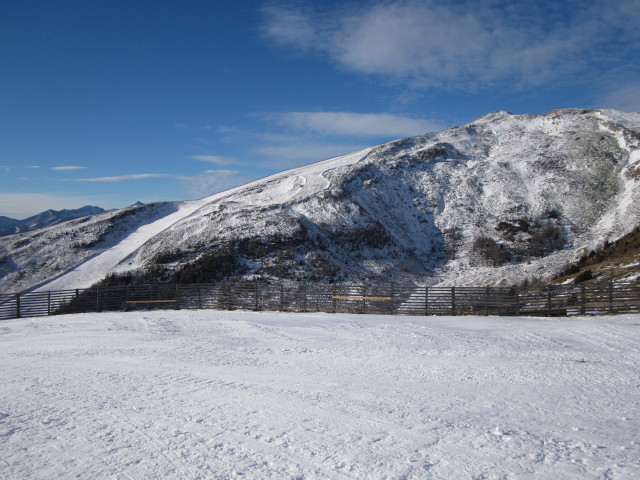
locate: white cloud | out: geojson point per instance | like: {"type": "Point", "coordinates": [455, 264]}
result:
{"type": "Point", "coordinates": [138, 176]}
{"type": "Point", "coordinates": [23, 205]}
{"type": "Point", "coordinates": [287, 156]}
{"type": "Point", "coordinates": [286, 27]}
{"type": "Point", "coordinates": [215, 159]}
{"type": "Point", "coordinates": [286, 144]}
{"type": "Point", "coordinates": [465, 43]}
{"type": "Point", "coordinates": [8, 168]}
{"type": "Point", "coordinates": [359, 124]}
{"type": "Point", "coordinates": [185, 126]}
{"type": "Point", "coordinates": [307, 137]}
{"type": "Point", "coordinates": [626, 97]}
{"type": "Point", "coordinates": [214, 181]}
{"type": "Point", "coordinates": [68, 168]}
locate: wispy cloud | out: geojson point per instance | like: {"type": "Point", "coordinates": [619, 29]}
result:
{"type": "Point", "coordinates": [358, 124]}
{"type": "Point", "coordinates": [289, 27]}
{"type": "Point", "coordinates": [465, 43]}
{"type": "Point", "coordinates": [626, 97]}
{"type": "Point", "coordinates": [214, 181]}
{"type": "Point", "coordinates": [289, 139]}
{"type": "Point", "coordinates": [185, 126]}
{"type": "Point", "coordinates": [296, 154]}
{"type": "Point", "coordinates": [9, 168]}
{"type": "Point", "coordinates": [121, 178]}
{"type": "Point", "coordinates": [215, 159]}
{"type": "Point", "coordinates": [68, 168]}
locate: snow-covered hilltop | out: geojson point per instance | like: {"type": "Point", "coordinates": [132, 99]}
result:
{"type": "Point", "coordinates": [501, 199]}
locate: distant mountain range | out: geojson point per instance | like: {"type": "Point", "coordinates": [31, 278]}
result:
{"type": "Point", "coordinates": [9, 226]}
{"type": "Point", "coordinates": [502, 200]}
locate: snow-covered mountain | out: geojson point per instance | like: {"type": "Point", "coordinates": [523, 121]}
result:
{"type": "Point", "coordinates": [502, 199]}
{"type": "Point", "coordinates": [9, 226]}
{"type": "Point", "coordinates": [6, 222]}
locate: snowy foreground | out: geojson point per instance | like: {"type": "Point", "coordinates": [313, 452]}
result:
{"type": "Point", "coordinates": [206, 394]}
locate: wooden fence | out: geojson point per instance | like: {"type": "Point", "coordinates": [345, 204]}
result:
{"type": "Point", "coordinates": [550, 300]}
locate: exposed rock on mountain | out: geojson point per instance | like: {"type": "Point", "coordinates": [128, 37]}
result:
{"type": "Point", "coordinates": [502, 199]}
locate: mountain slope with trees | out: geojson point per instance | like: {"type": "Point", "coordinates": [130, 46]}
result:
{"type": "Point", "coordinates": [501, 200]}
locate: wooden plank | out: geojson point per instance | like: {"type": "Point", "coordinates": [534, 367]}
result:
{"type": "Point", "coordinates": [151, 301]}
{"type": "Point", "coordinates": [359, 297]}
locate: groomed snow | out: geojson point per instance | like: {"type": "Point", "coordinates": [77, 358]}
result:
{"type": "Point", "coordinates": [284, 186]}
{"type": "Point", "coordinates": [93, 270]}
{"type": "Point", "coordinates": [207, 394]}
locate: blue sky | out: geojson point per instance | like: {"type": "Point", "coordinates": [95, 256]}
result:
{"type": "Point", "coordinates": [108, 102]}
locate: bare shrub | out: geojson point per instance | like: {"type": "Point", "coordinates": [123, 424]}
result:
{"type": "Point", "coordinates": [490, 252]}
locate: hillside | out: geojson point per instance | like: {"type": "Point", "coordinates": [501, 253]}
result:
{"type": "Point", "coordinates": [503, 199]}
{"type": "Point", "coordinates": [614, 261]}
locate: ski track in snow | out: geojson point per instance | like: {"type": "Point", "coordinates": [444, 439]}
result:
{"type": "Point", "coordinates": [388, 212]}
{"type": "Point", "coordinates": [207, 394]}
{"type": "Point", "coordinates": [270, 189]}
{"type": "Point", "coordinates": [93, 270]}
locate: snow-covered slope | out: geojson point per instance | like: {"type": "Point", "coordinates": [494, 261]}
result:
{"type": "Point", "coordinates": [499, 200]}
{"type": "Point", "coordinates": [223, 395]}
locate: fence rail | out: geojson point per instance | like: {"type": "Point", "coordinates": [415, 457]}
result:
{"type": "Point", "coordinates": [550, 300]}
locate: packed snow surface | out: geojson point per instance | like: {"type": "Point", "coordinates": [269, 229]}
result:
{"type": "Point", "coordinates": [91, 271]}
{"type": "Point", "coordinates": [209, 394]}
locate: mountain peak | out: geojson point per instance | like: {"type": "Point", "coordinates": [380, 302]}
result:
{"type": "Point", "coordinates": [498, 201]}
{"type": "Point", "coordinates": [46, 218]}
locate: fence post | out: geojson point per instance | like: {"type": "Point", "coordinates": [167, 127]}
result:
{"type": "Point", "coordinates": [126, 299]}
{"type": "Point", "coordinates": [583, 301]}
{"type": "Point", "coordinates": [256, 294]}
{"type": "Point", "coordinates": [334, 298]}
{"type": "Point", "coordinates": [426, 300]}
{"type": "Point", "coordinates": [453, 301]}
{"type": "Point", "coordinates": [281, 296]}
{"type": "Point", "coordinates": [392, 308]}
{"type": "Point", "coordinates": [364, 299]}
{"type": "Point", "coordinates": [17, 305]}
{"type": "Point", "coordinates": [548, 300]}
{"type": "Point", "coordinates": [199, 297]}
{"type": "Point", "coordinates": [611, 297]}
{"type": "Point", "coordinates": [304, 296]}
{"type": "Point", "coordinates": [486, 301]}
{"type": "Point", "coordinates": [49, 302]}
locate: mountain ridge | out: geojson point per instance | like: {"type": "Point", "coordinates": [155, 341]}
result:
{"type": "Point", "coordinates": [10, 226]}
{"type": "Point", "coordinates": [499, 200]}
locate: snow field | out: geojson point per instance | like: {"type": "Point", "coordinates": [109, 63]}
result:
{"type": "Point", "coordinates": [210, 394]}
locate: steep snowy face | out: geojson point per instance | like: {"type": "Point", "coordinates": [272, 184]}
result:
{"type": "Point", "coordinates": [497, 200]}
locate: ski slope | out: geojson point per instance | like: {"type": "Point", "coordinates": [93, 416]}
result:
{"type": "Point", "coordinates": [93, 270]}
{"type": "Point", "coordinates": [221, 395]}
{"type": "Point", "coordinates": [120, 257]}
{"type": "Point", "coordinates": [408, 211]}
